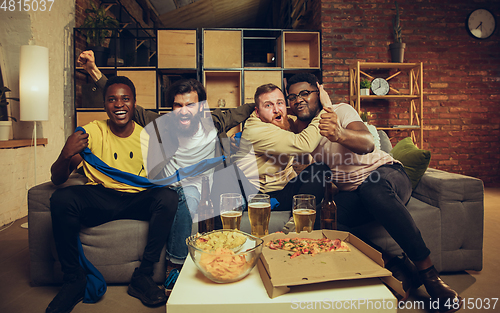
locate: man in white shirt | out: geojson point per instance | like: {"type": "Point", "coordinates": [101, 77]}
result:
{"type": "Point", "coordinates": [182, 138]}
{"type": "Point", "coordinates": [373, 186]}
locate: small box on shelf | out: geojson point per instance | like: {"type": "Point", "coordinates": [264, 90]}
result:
{"type": "Point", "coordinates": [254, 79]}
{"type": "Point", "coordinates": [301, 50]}
{"type": "Point", "coordinates": [260, 47]}
{"type": "Point", "coordinates": [145, 86]}
{"type": "Point", "coordinates": [222, 49]}
{"type": "Point", "coordinates": [223, 88]}
{"type": "Point", "coordinates": [177, 49]}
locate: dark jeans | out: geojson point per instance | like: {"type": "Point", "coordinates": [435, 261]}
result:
{"type": "Point", "coordinates": [189, 198]}
{"type": "Point", "coordinates": [91, 206]}
{"type": "Point", "coordinates": [309, 181]}
{"type": "Point", "coordinates": [383, 197]}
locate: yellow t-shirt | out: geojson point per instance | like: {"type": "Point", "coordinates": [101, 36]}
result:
{"type": "Point", "coordinates": [121, 153]}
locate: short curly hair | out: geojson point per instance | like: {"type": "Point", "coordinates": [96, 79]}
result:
{"type": "Point", "coordinates": [185, 86]}
{"type": "Point", "coordinates": [267, 88]}
{"type": "Point", "coordinates": [302, 77]}
{"type": "Point", "coordinates": [119, 80]}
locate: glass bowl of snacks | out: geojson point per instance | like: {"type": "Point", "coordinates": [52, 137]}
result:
{"type": "Point", "coordinates": [225, 255]}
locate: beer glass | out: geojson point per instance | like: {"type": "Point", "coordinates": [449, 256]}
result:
{"type": "Point", "coordinates": [304, 212]}
{"type": "Point", "coordinates": [259, 212]}
{"type": "Point", "coordinates": [231, 210]}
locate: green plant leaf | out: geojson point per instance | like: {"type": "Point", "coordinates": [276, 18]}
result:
{"type": "Point", "coordinates": [364, 84]}
{"type": "Point", "coordinates": [96, 20]}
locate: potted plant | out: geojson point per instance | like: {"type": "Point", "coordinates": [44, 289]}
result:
{"type": "Point", "coordinates": [5, 123]}
{"type": "Point", "coordinates": [397, 48]}
{"type": "Point", "coordinates": [98, 24]}
{"type": "Point", "coordinates": [364, 87]}
{"type": "Point", "coordinates": [365, 116]}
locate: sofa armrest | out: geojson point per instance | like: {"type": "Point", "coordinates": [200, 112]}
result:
{"type": "Point", "coordinates": [438, 186]}
{"type": "Point", "coordinates": [460, 200]}
{"type": "Point", "coordinates": [39, 195]}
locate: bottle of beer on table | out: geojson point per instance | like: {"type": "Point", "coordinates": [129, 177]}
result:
{"type": "Point", "coordinates": [328, 206]}
{"type": "Point", "coordinates": [206, 218]}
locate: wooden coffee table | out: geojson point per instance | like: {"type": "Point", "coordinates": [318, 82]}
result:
{"type": "Point", "coordinates": [195, 293]}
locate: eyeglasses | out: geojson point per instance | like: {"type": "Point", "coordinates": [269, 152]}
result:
{"type": "Point", "coordinates": [303, 94]}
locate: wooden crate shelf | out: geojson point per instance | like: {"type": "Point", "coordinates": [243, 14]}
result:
{"type": "Point", "coordinates": [223, 87]}
{"type": "Point", "coordinates": [301, 50]}
{"type": "Point", "coordinates": [177, 49]}
{"type": "Point", "coordinates": [222, 48]}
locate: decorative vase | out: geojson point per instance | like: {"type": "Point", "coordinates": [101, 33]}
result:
{"type": "Point", "coordinates": [397, 52]}
{"type": "Point", "coordinates": [364, 92]}
{"type": "Point", "coordinates": [5, 127]}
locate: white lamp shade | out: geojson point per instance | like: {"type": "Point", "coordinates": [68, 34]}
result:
{"type": "Point", "coordinates": [34, 83]}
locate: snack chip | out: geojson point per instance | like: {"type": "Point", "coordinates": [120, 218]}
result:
{"type": "Point", "coordinates": [224, 265]}
{"type": "Point", "coordinates": [227, 240]}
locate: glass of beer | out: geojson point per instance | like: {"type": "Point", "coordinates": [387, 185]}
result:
{"type": "Point", "coordinates": [259, 212]}
{"type": "Point", "coordinates": [231, 210]}
{"type": "Point", "coordinates": [304, 212]}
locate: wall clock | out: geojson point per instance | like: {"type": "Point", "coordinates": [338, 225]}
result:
{"type": "Point", "coordinates": [481, 23]}
{"type": "Point", "coordinates": [380, 87]}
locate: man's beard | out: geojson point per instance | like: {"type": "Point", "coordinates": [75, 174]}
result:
{"type": "Point", "coordinates": [285, 125]}
{"type": "Point", "coordinates": [188, 131]}
{"type": "Point", "coordinates": [305, 115]}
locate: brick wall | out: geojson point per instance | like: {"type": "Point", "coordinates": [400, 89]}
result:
{"type": "Point", "coordinates": [461, 74]}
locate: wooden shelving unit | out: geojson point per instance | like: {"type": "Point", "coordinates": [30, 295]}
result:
{"type": "Point", "coordinates": [169, 55]}
{"type": "Point", "coordinates": [413, 94]}
{"type": "Point", "coordinates": [230, 62]}
{"type": "Point", "coordinates": [260, 56]}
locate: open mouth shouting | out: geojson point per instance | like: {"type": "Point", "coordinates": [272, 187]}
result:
{"type": "Point", "coordinates": [278, 118]}
{"type": "Point", "coordinates": [281, 121]}
{"type": "Point", "coordinates": [185, 120]}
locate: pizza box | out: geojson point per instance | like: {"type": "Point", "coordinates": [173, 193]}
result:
{"type": "Point", "coordinates": [279, 272]}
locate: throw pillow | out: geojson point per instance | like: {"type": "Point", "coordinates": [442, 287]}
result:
{"type": "Point", "coordinates": [415, 160]}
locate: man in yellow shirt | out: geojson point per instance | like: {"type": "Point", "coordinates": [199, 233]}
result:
{"type": "Point", "coordinates": [116, 141]}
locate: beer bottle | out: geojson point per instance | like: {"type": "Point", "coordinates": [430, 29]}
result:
{"type": "Point", "coordinates": [328, 206]}
{"type": "Point", "coordinates": [206, 218]}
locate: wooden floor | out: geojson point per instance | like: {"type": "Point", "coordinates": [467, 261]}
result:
{"type": "Point", "coordinates": [17, 296]}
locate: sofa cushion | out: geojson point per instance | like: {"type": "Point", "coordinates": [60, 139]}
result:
{"type": "Point", "coordinates": [415, 160]}
{"type": "Point", "coordinates": [385, 142]}
{"type": "Point", "coordinates": [114, 248]}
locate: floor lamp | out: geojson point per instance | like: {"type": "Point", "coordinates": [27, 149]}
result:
{"type": "Point", "coordinates": [34, 88]}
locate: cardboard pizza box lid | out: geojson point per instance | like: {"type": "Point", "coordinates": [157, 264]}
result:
{"type": "Point", "coordinates": [279, 272]}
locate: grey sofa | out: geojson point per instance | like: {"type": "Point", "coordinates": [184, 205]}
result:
{"type": "Point", "coordinates": [448, 209]}
{"type": "Point", "coordinates": [114, 248]}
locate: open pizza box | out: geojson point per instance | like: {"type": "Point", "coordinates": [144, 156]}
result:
{"type": "Point", "coordinates": [279, 272]}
